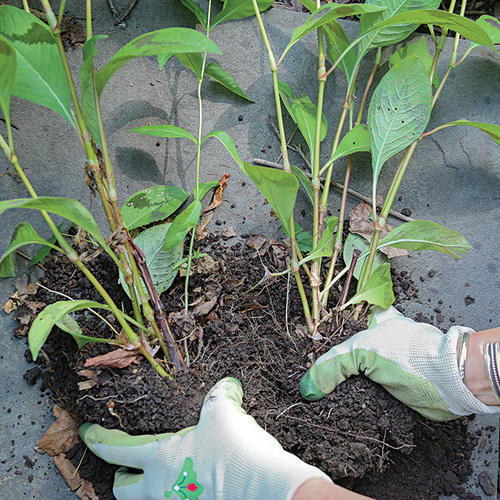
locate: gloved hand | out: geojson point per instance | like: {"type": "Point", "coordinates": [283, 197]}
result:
{"type": "Point", "coordinates": [415, 362]}
{"type": "Point", "coordinates": [226, 456]}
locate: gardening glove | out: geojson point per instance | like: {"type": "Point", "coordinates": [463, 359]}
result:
{"type": "Point", "coordinates": [226, 456]}
{"type": "Point", "coordinates": [415, 362]}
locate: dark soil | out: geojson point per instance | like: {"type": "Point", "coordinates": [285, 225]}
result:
{"type": "Point", "coordinates": [359, 435]}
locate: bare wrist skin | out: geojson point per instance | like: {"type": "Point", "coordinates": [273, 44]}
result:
{"type": "Point", "coordinates": [476, 375]}
{"type": "Point", "coordinates": [319, 489]}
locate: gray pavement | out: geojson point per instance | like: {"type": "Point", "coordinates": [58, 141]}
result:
{"type": "Point", "coordinates": [454, 179]}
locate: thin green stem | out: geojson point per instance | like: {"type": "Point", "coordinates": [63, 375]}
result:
{"type": "Point", "coordinates": [61, 13]}
{"type": "Point", "coordinates": [88, 16]}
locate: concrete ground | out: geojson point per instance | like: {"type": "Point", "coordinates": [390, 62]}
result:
{"type": "Point", "coordinates": [454, 179]}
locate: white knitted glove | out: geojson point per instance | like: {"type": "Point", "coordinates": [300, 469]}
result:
{"type": "Point", "coordinates": [226, 456]}
{"type": "Point", "coordinates": [415, 362]}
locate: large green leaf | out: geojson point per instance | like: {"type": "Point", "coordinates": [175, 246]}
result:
{"type": "Point", "coordinates": [166, 41]}
{"type": "Point", "coordinates": [378, 289]}
{"type": "Point", "coordinates": [325, 14]}
{"type": "Point", "coordinates": [200, 14]}
{"type": "Point", "coordinates": [304, 180]}
{"type": "Point", "coordinates": [161, 263]}
{"type": "Point", "coordinates": [182, 224]}
{"type": "Point", "coordinates": [218, 74]}
{"type": "Point", "coordinates": [337, 42]}
{"type": "Point", "coordinates": [228, 142]}
{"type": "Point", "coordinates": [399, 111]}
{"type": "Point", "coordinates": [418, 48]}
{"type": "Point", "coordinates": [279, 188]}
{"type": "Point", "coordinates": [395, 33]}
{"type": "Point", "coordinates": [192, 61]}
{"type": "Point", "coordinates": [86, 75]}
{"type": "Point", "coordinates": [152, 204]}
{"type": "Point", "coordinates": [203, 188]}
{"type": "Point", "coordinates": [356, 140]}
{"type": "Point", "coordinates": [303, 113]}
{"type": "Point", "coordinates": [23, 235]}
{"type": "Point", "coordinates": [69, 325]}
{"type": "Point", "coordinates": [357, 242]}
{"type": "Point", "coordinates": [170, 131]}
{"type": "Point", "coordinates": [7, 76]}
{"type": "Point", "coordinates": [52, 314]}
{"type": "Point", "coordinates": [491, 25]}
{"type": "Point", "coordinates": [424, 235]}
{"type": "Point", "coordinates": [239, 9]}
{"type": "Point", "coordinates": [40, 76]}
{"type": "Point", "coordinates": [488, 128]}
{"type": "Point", "coordinates": [70, 209]}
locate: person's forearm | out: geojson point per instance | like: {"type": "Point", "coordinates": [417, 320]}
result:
{"type": "Point", "coordinates": [319, 489]}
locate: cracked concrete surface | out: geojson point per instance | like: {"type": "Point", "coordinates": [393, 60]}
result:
{"type": "Point", "coordinates": [453, 179]}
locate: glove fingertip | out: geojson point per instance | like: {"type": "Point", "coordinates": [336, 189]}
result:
{"type": "Point", "coordinates": [85, 429]}
{"type": "Point", "coordinates": [309, 390]}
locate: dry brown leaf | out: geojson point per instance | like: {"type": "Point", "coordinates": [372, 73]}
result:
{"type": "Point", "coordinates": [19, 298]}
{"type": "Point", "coordinates": [204, 309]}
{"type": "Point", "coordinates": [360, 222]}
{"type": "Point", "coordinates": [119, 358]}
{"type": "Point", "coordinates": [9, 306]}
{"type": "Point", "coordinates": [208, 265]}
{"type": "Point", "coordinates": [62, 435]}
{"type": "Point", "coordinates": [217, 199]}
{"type": "Point", "coordinates": [256, 242]}
{"type": "Point", "coordinates": [201, 230]}
{"type": "Point", "coordinates": [82, 488]}
{"type": "Point", "coordinates": [229, 232]}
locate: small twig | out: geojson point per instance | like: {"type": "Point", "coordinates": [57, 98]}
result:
{"type": "Point", "coordinates": [12, 125]}
{"type": "Point", "coordinates": [80, 463]}
{"type": "Point", "coordinates": [113, 8]}
{"type": "Point", "coordinates": [339, 186]}
{"type": "Point", "coordinates": [24, 256]}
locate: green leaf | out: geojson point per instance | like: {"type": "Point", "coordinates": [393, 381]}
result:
{"type": "Point", "coordinates": [203, 188]}
{"type": "Point", "coordinates": [239, 9]}
{"type": "Point", "coordinates": [7, 76]}
{"type": "Point", "coordinates": [424, 235]}
{"type": "Point", "coordinates": [357, 242]}
{"type": "Point", "coordinates": [303, 113]}
{"type": "Point", "coordinates": [218, 74]}
{"type": "Point", "coordinates": [324, 15]}
{"type": "Point", "coordinates": [40, 76]}
{"type": "Point", "coordinates": [419, 49]}
{"type": "Point", "coordinates": [325, 244]}
{"type": "Point", "coordinates": [182, 224]}
{"type": "Point", "coordinates": [69, 325]}
{"type": "Point", "coordinates": [394, 33]}
{"type": "Point", "coordinates": [169, 131]}
{"type": "Point", "coordinates": [337, 42]}
{"type": "Point", "coordinates": [51, 315]}
{"type": "Point", "coordinates": [200, 14]}
{"type": "Point", "coordinates": [45, 250]}
{"type": "Point", "coordinates": [492, 28]}
{"type": "Point", "coordinates": [152, 204]}
{"type": "Point", "coordinates": [378, 289]}
{"type": "Point", "coordinates": [87, 88]}
{"type": "Point", "coordinates": [23, 235]}
{"type": "Point", "coordinates": [399, 111]}
{"type": "Point", "coordinates": [304, 239]}
{"type": "Point", "coordinates": [489, 128]}
{"type": "Point", "coordinates": [279, 188]}
{"type": "Point", "coordinates": [162, 264]}
{"type": "Point", "coordinates": [166, 41]}
{"type": "Point", "coordinates": [192, 61]}
{"type": "Point", "coordinates": [357, 140]}
{"type": "Point", "coordinates": [304, 181]}
{"type": "Point", "coordinates": [70, 209]}
{"type": "Point", "coordinates": [225, 138]}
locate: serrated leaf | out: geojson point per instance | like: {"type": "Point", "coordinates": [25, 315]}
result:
{"type": "Point", "coordinates": [419, 49]}
{"type": "Point", "coordinates": [378, 290]}
{"type": "Point", "coordinates": [424, 235]}
{"type": "Point", "coordinates": [152, 204]}
{"type": "Point", "coordinates": [357, 242]}
{"type": "Point", "coordinates": [182, 224]}
{"type": "Point", "coordinates": [278, 187]}
{"type": "Point", "coordinates": [87, 88]}
{"type": "Point", "coordinates": [23, 235]}
{"type": "Point", "coordinates": [488, 128]}
{"type": "Point", "coordinates": [303, 113]}
{"type": "Point", "coordinates": [7, 76]}
{"type": "Point", "coordinates": [357, 140]}
{"type": "Point", "coordinates": [44, 322]}
{"type": "Point", "coordinates": [325, 244]}
{"type": "Point", "coordinates": [325, 14]}
{"type": "Point", "coordinates": [161, 263]}
{"type": "Point", "coordinates": [200, 14]}
{"type": "Point", "coordinates": [203, 188]}
{"type": "Point", "coordinates": [304, 181]}
{"type": "Point", "coordinates": [228, 142]}
{"type": "Point", "coordinates": [168, 131]}
{"type": "Point", "coordinates": [217, 73]}
{"type": "Point", "coordinates": [40, 76]}
{"type": "Point", "coordinates": [166, 41]}
{"type": "Point", "coordinates": [239, 9]}
{"type": "Point", "coordinates": [399, 111]}
{"type": "Point", "coordinates": [491, 25]}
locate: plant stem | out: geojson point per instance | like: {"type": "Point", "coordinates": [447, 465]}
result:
{"type": "Point", "coordinates": [26, 6]}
